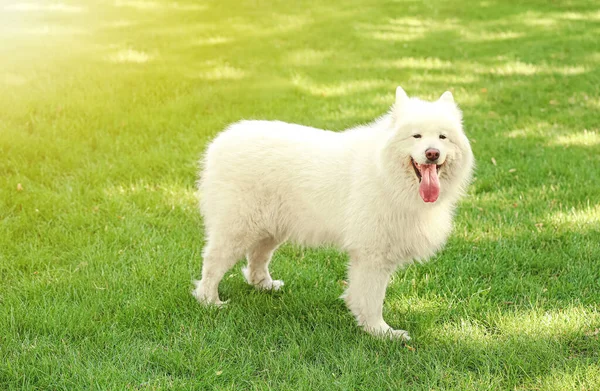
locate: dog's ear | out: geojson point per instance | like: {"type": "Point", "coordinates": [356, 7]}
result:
{"type": "Point", "coordinates": [401, 97]}
{"type": "Point", "coordinates": [447, 97]}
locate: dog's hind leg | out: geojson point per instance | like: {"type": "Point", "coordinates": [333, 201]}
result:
{"type": "Point", "coordinates": [257, 271]}
{"type": "Point", "coordinates": [219, 256]}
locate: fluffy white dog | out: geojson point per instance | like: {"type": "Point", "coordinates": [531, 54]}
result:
{"type": "Point", "coordinates": [383, 192]}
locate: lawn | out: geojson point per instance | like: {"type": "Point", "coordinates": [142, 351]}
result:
{"type": "Point", "coordinates": [106, 106]}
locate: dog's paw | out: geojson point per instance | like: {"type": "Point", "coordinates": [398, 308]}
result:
{"type": "Point", "coordinates": [397, 334]}
{"type": "Point", "coordinates": [272, 285]}
{"type": "Point", "coordinates": [205, 299]}
{"type": "Point", "coordinates": [389, 333]}
{"type": "Point", "coordinates": [266, 284]}
{"type": "Point", "coordinates": [275, 285]}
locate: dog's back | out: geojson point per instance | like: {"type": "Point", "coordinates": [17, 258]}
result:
{"type": "Point", "coordinates": [284, 179]}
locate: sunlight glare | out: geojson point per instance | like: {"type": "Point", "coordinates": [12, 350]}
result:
{"type": "Point", "coordinates": [55, 7]}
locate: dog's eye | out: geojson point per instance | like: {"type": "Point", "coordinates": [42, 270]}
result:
{"type": "Point", "coordinates": [442, 137]}
{"type": "Point", "coordinates": [416, 135]}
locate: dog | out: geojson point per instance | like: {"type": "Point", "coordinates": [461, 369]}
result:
{"type": "Point", "coordinates": [385, 193]}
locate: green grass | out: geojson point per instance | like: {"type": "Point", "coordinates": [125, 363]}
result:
{"type": "Point", "coordinates": [105, 108]}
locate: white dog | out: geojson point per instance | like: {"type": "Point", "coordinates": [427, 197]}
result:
{"type": "Point", "coordinates": [383, 192]}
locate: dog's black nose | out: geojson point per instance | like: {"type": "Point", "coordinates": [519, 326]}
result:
{"type": "Point", "coordinates": [432, 154]}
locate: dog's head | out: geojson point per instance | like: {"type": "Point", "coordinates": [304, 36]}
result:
{"type": "Point", "coordinates": [428, 147]}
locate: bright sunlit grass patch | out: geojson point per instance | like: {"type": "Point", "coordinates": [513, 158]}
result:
{"type": "Point", "coordinates": [209, 41]}
{"type": "Point", "coordinates": [537, 19]}
{"type": "Point", "coordinates": [520, 68]}
{"type": "Point", "coordinates": [483, 36]}
{"type": "Point", "coordinates": [451, 79]}
{"type": "Point", "coordinates": [130, 56]}
{"type": "Point", "coordinates": [415, 63]}
{"type": "Point", "coordinates": [222, 72]}
{"type": "Point", "coordinates": [308, 57]}
{"type": "Point", "coordinates": [583, 377]}
{"type": "Point", "coordinates": [172, 194]}
{"type": "Point", "coordinates": [549, 324]}
{"type": "Point", "coordinates": [587, 16]}
{"type": "Point", "coordinates": [122, 23]}
{"type": "Point", "coordinates": [338, 89]}
{"type": "Point", "coordinates": [405, 29]}
{"type": "Point", "coordinates": [584, 138]}
{"type": "Point", "coordinates": [540, 128]}
{"type": "Point", "coordinates": [579, 219]}
{"type": "Point", "coordinates": [404, 36]}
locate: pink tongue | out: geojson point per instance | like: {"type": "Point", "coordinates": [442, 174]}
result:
{"type": "Point", "coordinates": [430, 184]}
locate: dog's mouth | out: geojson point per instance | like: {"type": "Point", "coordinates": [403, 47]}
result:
{"type": "Point", "coordinates": [429, 183]}
{"type": "Point", "coordinates": [416, 166]}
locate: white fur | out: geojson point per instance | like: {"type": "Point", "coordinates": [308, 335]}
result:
{"type": "Point", "coordinates": [264, 183]}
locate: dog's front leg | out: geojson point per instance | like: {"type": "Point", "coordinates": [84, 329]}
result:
{"type": "Point", "coordinates": [367, 281]}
